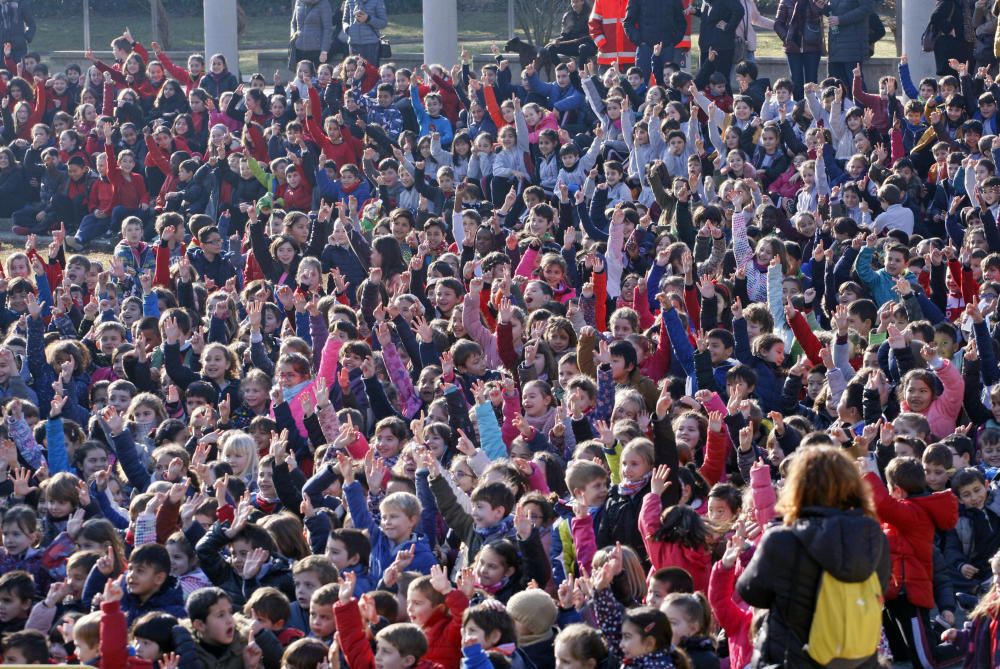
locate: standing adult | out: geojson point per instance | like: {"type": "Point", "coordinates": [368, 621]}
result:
{"type": "Point", "coordinates": [607, 29]}
{"type": "Point", "coordinates": [799, 24]}
{"type": "Point", "coordinates": [948, 17]}
{"type": "Point", "coordinates": [17, 26]}
{"type": "Point", "coordinates": [829, 525]}
{"type": "Point", "coordinates": [312, 30]}
{"type": "Point", "coordinates": [364, 21]}
{"type": "Point", "coordinates": [848, 36]}
{"type": "Point", "coordinates": [651, 22]}
{"type": "Point", "coordinates": [719, 21]}
{"type": "Point", "coordinates": [752, 18]}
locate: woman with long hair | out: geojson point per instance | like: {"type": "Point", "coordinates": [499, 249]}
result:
{"type": "Point", "coordinates": [829, 525]}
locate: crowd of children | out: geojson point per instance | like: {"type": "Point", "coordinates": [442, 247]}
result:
{"type": "Point", "coordinates": [450, 368]}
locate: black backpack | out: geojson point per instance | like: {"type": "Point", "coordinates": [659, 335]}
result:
{"type": "Point", "coordinates": [876, 31]}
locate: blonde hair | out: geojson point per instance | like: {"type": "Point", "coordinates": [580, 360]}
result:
{"type": "Point", "coordinates": [239, 442]}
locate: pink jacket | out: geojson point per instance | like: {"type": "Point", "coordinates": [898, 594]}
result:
{"type": "Point", "coordinates": [327, 371]}
{"type": "Point", "coordinates": [549, 120]}
{"type": "Point", "coordinates": [764, 497]}
{"type": "Point", "coordinates": [585, 542]}
{"type": "Point", "coordinates": [734, 618]}
{"type": "Point", "coordinates": [943, 411]}
{"type": "Point", "coordinates": [473, 324]}
{"type": "Point", "coordinates": [697, 561]}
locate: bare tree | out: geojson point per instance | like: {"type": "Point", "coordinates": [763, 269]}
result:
{"type": "Point", "coordinates": [539, 19]}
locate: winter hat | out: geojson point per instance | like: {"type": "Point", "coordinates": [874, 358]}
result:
{"type": "Point", "coordinates": [535, 611]}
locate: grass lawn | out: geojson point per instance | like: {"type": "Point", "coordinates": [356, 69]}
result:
{"type": "Point", "coordinates": [476, 30]}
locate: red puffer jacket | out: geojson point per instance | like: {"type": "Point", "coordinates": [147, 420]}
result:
{"type": "Point", "coordinates": [910, 525]}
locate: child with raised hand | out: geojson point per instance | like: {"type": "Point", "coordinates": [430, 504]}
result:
{"type": "Point", "coordinates": [734, 619]}
{"type": "Point", "coordinates": [114, 645]}
{"type": "Point", "coordinates": [437, 608]}
{"type": "Point", "coordinates": [398, 646]}
{"type": "Point", "coordinates": [677, 537]}
{"type": "Point", "coordinates": [394, 530]}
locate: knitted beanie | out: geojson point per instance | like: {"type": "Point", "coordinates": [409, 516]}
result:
{"type": "Point", "coordinates": [534, 610]}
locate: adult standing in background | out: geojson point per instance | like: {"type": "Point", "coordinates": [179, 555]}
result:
{"type": "Point", "coordinates": [719, 20]}
{"type": "Point", "coordinates": [17, 26]}
{"type": "Point", "coordinates": [312, 30]}
{"type": "Point", "coordinates": [848, 36]}
{"type": "Point", "coordinates": [799, 24]}
{"type": "Point", "coordinates": [651, 22]}
{"type": "Point", "coordinates": [364, 21]}
{"type": "Point", "coordinates": [752, 18]}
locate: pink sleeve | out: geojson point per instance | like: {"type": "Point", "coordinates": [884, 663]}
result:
{"type": "Point", "coordinates": [328, 360]}
{"type": "Point", "coordinates": [527, 264]}
{"type": "Point", "coordinates": [511, 407]}
{"type": "Point", "coordinates": [715, 403]}
{"type": "Point", "coordinates": [585, 540]}
{"type": "Point", "coordinates": [954, 390]}
{"type": "Point", "coordinates": [649, 520]}
{"type": "Point", "coordinates": [720, 596]}
{"type": "Point", "coordinates": [764, 498]}
{"type": "Point", "coordinates": [537, 479]}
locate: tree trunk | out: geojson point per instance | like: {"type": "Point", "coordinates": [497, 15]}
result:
{"type": "Point", "coordinates": [538, 19]}
{"type": "Point", "coordinates": [162, 23]}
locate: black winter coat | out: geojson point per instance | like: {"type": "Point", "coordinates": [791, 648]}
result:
{"type": "Point", "coordinates": [730, 12]}
{"type": "Point", "coordinates": [653, 21]}
{"type": "Point", "coordinates": [784, 575]}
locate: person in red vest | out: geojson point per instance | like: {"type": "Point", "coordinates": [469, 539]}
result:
{"type": "Point", "coordinates": [607, 28]}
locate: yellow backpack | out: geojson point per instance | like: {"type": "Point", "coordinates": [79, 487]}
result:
{"type": "Point", "coordinates": [847, 622]}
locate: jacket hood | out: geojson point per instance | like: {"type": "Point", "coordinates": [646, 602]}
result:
{"type": "Point", "coordinates": [847, 544]}
{"type": "Point", "coordinates": [942, 507]}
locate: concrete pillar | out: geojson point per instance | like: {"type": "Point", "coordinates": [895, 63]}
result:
{"type": "Point", "coordinates": [441, 32]}
{"type": "Point", "coordinates": [220, 33]}
{"type": "Point", "coordinates": [915, 15]}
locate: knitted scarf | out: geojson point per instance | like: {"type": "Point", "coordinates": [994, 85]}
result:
{"type": "Point", "coordinates": [632, 487]}
{"type": "Point", "coordinates": [496, 532]}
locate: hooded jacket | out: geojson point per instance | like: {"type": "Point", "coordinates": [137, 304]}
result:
{"type": "Point", "coordinates": [783, 576]}
{"type": "Point", "coordinates": [910, 525]}
{"type": "Point", "coordinates": [696, 561]}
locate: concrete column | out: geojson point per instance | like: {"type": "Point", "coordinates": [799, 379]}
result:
{"type": "Point", "coordinates": [440, 32]}
{"type": "Point", "coordinates": [915, 15]}
{"type": "Point", "coordinates": [220, 33]}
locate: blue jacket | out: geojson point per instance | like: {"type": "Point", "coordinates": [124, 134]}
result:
{"type": "Point", "coordinates": [561, 99]}
{"type": "Point", "coordinates": [168, 599]}
{"type": "Point", "coordinates": [439, 124]}
{"type": "Point", "coordinates": [878, 281]}
{"type": "Point", "coordinates": [383, 549]}
{"type": "Point", "coordinates": [769, 383]}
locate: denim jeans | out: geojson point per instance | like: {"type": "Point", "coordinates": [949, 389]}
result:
{"type": "Point", "coordinates": [644, 58]}
{"type": "Point", "coordinates": [805, 69]}
{"type": "Point", "coordinates": [92, 227]}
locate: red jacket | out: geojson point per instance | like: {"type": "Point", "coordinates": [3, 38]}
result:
{"type": "Point", "coordinates": [444, 631]}
{"type": "Point", "coordinates": [910, 525]}
{"type": "Point", "coordinates": [114, 640]}
{"type": "Point", "coordinates": [354, 643]}
{"type": "Point", "coordinates": [607, 29]}
{"type": "Point", "coordinates": [102, 196]}
{"type": "Point", "coordinates": [696, 561]}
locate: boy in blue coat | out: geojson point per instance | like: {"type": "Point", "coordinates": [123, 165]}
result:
{"type": "Point", "coordinates": [429, 115]}
{"type": "Point", "coordinates": [394, 531]}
